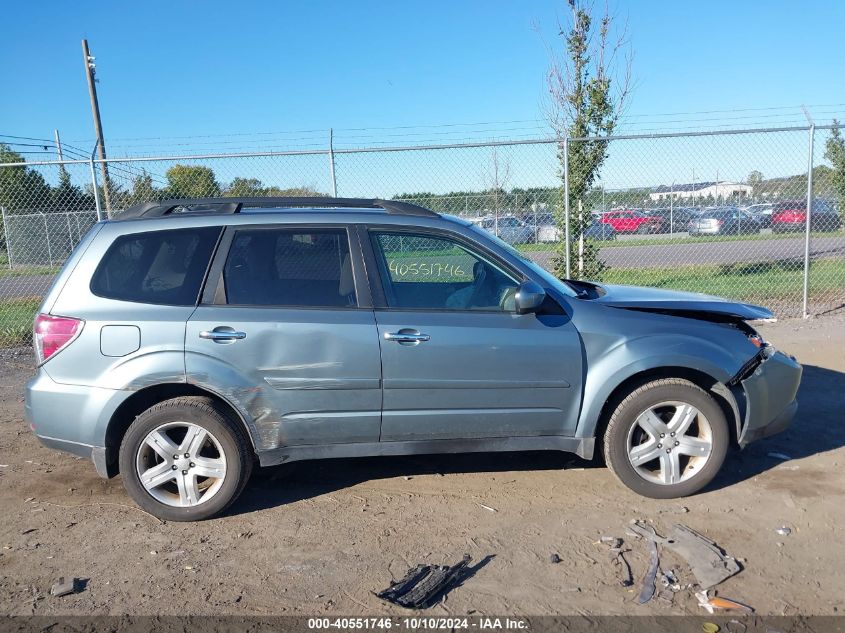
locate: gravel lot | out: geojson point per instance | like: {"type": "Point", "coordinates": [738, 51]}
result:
{"type": "Point", "coordinates": [318, 538]}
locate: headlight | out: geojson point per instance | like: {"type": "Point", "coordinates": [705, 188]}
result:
{"type": "Point", "coordinates": [757, 340]}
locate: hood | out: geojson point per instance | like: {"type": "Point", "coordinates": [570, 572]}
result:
{"type": "Point", "coordinates": [679, 302]}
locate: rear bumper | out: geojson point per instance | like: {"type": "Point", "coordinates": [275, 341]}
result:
{"type": "Point", "coordinates": [97, 454]}
{"type": "Point", "coordinates": [71, 418]}
{"type": "Point", "coordinates": [770, 391]}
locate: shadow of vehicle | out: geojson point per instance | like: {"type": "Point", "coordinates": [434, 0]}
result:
{"type": "Point", "coordinates": [814, 431]}
{"type": "Point", "coordinates": [279, 485]}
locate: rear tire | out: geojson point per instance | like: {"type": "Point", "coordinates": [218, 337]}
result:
{"type": "Point", "coordinates": [668, 438]}
{"type": "Point", "coordinates": [185, 459]}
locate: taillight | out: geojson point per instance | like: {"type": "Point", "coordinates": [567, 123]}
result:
{"type": "Point", "coordinates": [52, 333]}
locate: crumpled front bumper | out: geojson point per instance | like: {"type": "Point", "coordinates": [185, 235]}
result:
{"type": "Point", "coordinates": [770, 392]}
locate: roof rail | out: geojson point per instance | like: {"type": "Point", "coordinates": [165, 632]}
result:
{"type": "Point", "coordinates": [228, 206]}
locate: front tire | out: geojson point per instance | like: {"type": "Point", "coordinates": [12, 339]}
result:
{"type": "Point", "coordinates": [667, 439]}
{"type": "Point", "coordinates": [185, 459]}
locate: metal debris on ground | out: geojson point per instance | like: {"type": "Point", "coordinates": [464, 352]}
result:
{"type": "Point", "coordinates": [64, 588]}
{"type": "Point", "coordinates": [708, 562]}
{"type": "Point", "coordinates": [554, 558]}
{"type": "Point", "coordinates": [784, 531]}
{"type": "Point", "coordinates": [424, 585]}
{"type": "Point", "coordinates": [670, 580]}
{"type": "Point", "coordinates": [782, 456]}
{"type": "Point", "coordinates": [618, 558]}
{"type": "Point", "coordinates": [714, 604]}
{"type": "Point", "coordinates": [650, 578]}
{"type": "Point", "coordinates": [488, 508]}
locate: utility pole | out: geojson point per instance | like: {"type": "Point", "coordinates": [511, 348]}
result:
{"type": "Point", "coordinates": [90, 71]}
{"type": "Point", "coordinates": [62, 169]}
{"type": "Point", "coordinates": [331, 163]}
{"type": "Point", "coordinates": [58, 145]}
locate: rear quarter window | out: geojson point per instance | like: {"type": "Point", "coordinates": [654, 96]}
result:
{"type": "Point", "coordinates": [158, 267]}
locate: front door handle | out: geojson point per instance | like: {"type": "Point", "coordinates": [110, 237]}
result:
{"type": "Point", "coordinates": [407, 336]}
{"type": "Point", "coordinates": [220, 335]}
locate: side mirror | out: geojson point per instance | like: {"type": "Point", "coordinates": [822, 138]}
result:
{"type": "Point", "coordinates": [529, 297]}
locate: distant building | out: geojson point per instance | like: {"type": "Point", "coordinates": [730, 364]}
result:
{"type": "Point", "coordinates": [687, 191]}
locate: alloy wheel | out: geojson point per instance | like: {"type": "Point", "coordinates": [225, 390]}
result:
{"type": "Point", "coordinates": [669, 442]}
{"type": "Point", "coordinates": [181, 464]}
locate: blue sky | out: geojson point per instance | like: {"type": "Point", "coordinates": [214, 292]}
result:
{"type": "Point", "coordinates": [227, 75]}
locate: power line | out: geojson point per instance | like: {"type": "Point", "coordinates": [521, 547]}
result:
{"type": "Point", "coordinates": [477, 123]}
{"type": "Point", "coordinates": [26, 138]}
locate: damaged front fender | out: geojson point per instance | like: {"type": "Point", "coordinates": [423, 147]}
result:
{"type": "Point", "coordinates": [770, 392]}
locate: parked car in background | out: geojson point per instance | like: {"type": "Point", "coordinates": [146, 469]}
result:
{"type": "Point", "coordinates": [509, 228]}
{"type": "Point", "coordinates": [187, 341]}
{"type": "Point", "coordinates": [791, 215]}
{"type": "Point", "coordinates": [546, 228]}
{"type": "Point", "coordinates": [632, 221]}
{"type": "Point", "coordinates": [674, 220]}
{"type": "Point", "coordinates": [548, 231]}
{"type": "Point", "coordinates": [763, 212]}
{"type": "Point", "coordinates": [723, 221]}
{"type": "Point", "coordinates": [599, 231]}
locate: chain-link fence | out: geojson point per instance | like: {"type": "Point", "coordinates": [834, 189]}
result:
{"type": "Point", "coordinates": [724, 213]}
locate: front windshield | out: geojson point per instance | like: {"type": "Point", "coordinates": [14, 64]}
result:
{"type": "Point", "coordinates": [541, 272]}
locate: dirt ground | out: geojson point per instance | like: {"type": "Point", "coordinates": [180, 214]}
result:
{"type": "Point", "coordinates": [319, 538]}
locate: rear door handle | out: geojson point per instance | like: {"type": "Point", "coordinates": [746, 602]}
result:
{"type": "Point", "coordinates": [222, 335]}
{"type": "Point", "coordinates": [407, 336]}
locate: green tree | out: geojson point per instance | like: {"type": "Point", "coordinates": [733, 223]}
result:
{"type": "Point", "coordinates": [588, 86]}
{"type": "Point", "coordinates": [755, 179]}
{"type": "Point", "coordinates": [835, 153]}
{"type": "Point", "coordinates": [294, 192]}
{"type": "Point", "coordinates": [143, 190]}
{"type": "Point", "coordinates": [191, 181]}
{"type": "Point", "coordinates": [244, 188]}
{"type": "Point", "coordinates": [22, 188]}
{"type": "Point", "coordinates": [69, 197]}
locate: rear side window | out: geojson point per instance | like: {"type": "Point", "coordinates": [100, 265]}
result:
{"type": "Point", "coordinates": [290, 267]}
{"type": "Point", "coordinates": [160, 267]}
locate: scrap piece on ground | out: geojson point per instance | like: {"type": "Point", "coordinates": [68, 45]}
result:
{"type": "Point", "coordinates": [708, 562]}
{"type": "Point", "coordinates": [424, 585]}
{"type": "Point", "coordinates": [649, 580]}
{"type": "Point", "coordinates": [613, 541]}
{"type": "Point", "coordinates": [63, 588]}
{"type": "Point", "coordinates": [782, 456]}
{"type": "Point", "coordinates": [712, 605]}
{"type": "Point", "coordinates": [669, 579]}
{"type": "Point", "coordinates": [618, 558]}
